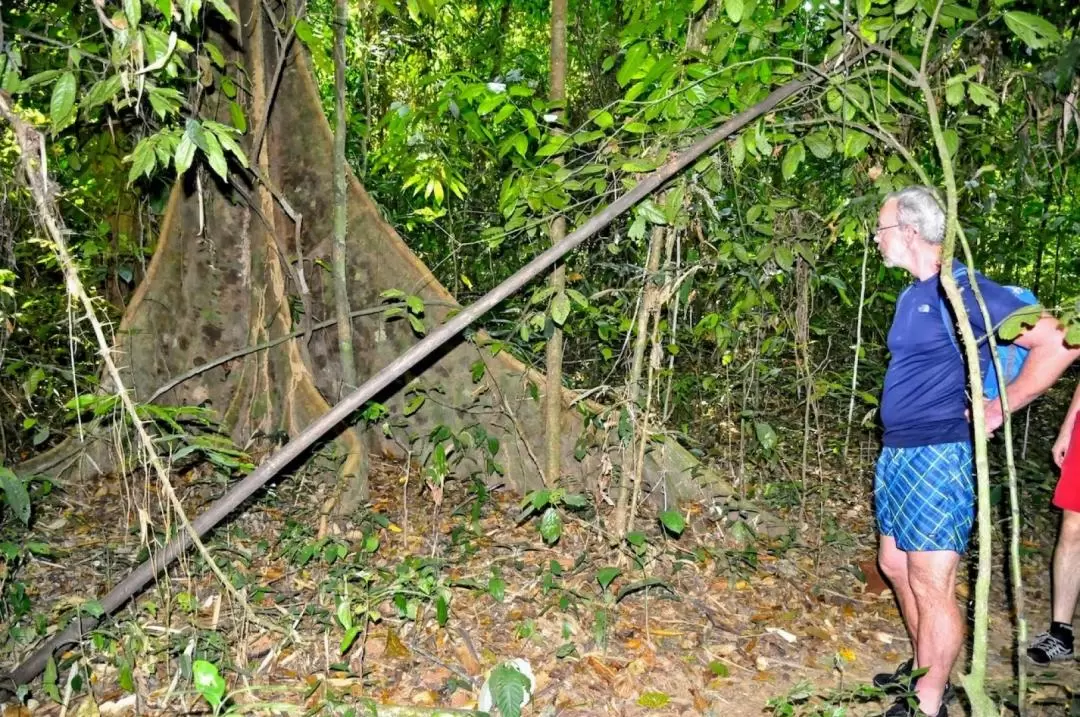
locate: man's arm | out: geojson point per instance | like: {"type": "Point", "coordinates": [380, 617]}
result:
{"type": "Point", "coordinates": [1049, 358]}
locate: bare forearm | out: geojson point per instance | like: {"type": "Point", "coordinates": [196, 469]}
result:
{"type": "Point", "coordinates": [1043, 367]}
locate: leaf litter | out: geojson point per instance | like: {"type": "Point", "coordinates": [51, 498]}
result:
{"type": "Point", "coordinates": [405, 605]}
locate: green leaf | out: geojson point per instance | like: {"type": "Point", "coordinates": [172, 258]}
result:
{"type": "Point", "coordinates": [605, 576]}
{"type": "Point", "coordinates": [215, 156]}
{"type": "Point", "coordinates": [15, 494]}
{"type": "Point", "coordinates": [414, 404]}
{"type": "Point", "coordinates": [982, 96]}
{"type": "Point", "coordinates": [508, 689]}
{"type": "Point", "coordinates": [62, 104]}
{"type": "Point", "coordinates": [794, 156]}
{"type": "Point", "coordinates": [490, 102]}
{"type": "Point", "coordinates": [785, 259]}
{"type": "Point", "coordinates": [855, 143]}
{"type": "Point", "coordinates": [634, 57]}
{"type": "Point", "coordinates": [38, 79]}
{"type": "Point", "coordinates": [550, 525]}
{"type": "Point", "coordinates": [185, 154]}
{"type": "Point", "coordinates": [638, 165]}
{"type": "Point", "coordinates": [239, 119]}
{"type": "Point", "coordinates": [560, 308]}
{"type": "Point", "coordinates": [734, 9]}
{"type": "Point", "coordinates": [766, 435]}
{"type": "Point", "coordinates": [820, 145]}
{"type": "Point", "coordinates": [651, 212]}
{"type": "Point", "coordinates": [555, 145]}
{"type": "Point", "coordinates": [215, 54]}
{"type": "Point", "coordinates": [208, 682]}
{"type": "Point", "coordinates": [1019, 320]}
{"type": "Point", "coordinates": [575, 500]}
{"type": "Point", "coordinates": [673, 521]}
{"type": "Point", "coordinates": [1036, 32]}
{"type": "Point", "coordinates": [496, 588]}
{"type": "Point", "coordinates": [347, 639]}
{"type": "Point", "coordinates": [653, 700]}
{"type": "Point", "coordinates": [133, 12]}
{"type": "Point", "coordinates": [602, 119]}
{"type": "Point", "coordinates": [954, 91]}
{"type": "Point", "coordinates": [905, 6]}
{"type": "Point", "coordinates": [862, 7]}
{"type": "Point", "coordinates": [305, 32]}
{"type": "Point", "coordinates": [229, 144]}
{"type": "Point", "coordinates": [225, 11]}
{"type": "Point", "coordinates": [718, 668]}
{"type": "Point", "coordinates": [952, 141]}
{"type": "Point", "coordinates": [442, 610]}
{"type": "Point", "coordinates": [100, 92]}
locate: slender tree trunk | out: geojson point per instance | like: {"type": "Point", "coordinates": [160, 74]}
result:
{"type": "Point", "coordinates": [553, 398]}
{"type": "Point", "coordinates": [499, 41]}
{"type": "Point", "coordinates": [341, 292]}
{"type": "Point", "coordinates": [621, 520]}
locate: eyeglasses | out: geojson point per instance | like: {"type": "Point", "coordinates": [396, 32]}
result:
{"type": "Point", "coordinates": [879, 230]}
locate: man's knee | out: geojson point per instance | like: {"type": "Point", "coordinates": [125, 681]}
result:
{"type": "Point", "coordinates": [1070, 529]}
{"type": "Point", "coordinates": [932, 578]}
{"type": "Point", "coordinates": [893, 564]}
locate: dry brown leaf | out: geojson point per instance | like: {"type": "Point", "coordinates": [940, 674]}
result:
{"type": "Point", "coordinates": [394, 646]}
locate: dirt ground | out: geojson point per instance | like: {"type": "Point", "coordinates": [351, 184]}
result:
{"type": "Point", "coordinates": [714, 622]}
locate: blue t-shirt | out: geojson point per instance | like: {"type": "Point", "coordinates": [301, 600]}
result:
{"type": "Point", "coordinates": [925, 394]}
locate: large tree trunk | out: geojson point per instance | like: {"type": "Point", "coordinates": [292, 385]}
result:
{"type": "Point", "coordinates": [218, 282]}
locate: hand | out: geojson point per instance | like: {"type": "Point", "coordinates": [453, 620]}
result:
{"type": "Point", "coordinates": [994, 417]}
{"type": "Point", "coordinates": [1061, 446]}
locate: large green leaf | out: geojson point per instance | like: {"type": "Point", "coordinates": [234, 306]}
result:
{"type": "Point", "coordinates": [734, 9]}
{"type": "Point", "coordinates": [62, 104]}
{"type": "Point", "coordinates": [634, 57]}
{"type": "Point", "coordinates": [1017, 321]}
{"type": "Point", "coordinates": [794, 156]}
{"type": "Point", "coordinates": [15, 494]}
{"type": "Point", "coordinates": [560, 308]}
{"type": "Point", "coordinates": [1036, 32]}
{"type": "Point", "coordinates": [133, 11]}
{"type": "Point", "coordinates": [819, 143]}
{"type": "Point", "coordinates": [508, 690]}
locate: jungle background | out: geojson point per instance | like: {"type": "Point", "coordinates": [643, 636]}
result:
{"type": "Point", "coordinates": [740, 312]}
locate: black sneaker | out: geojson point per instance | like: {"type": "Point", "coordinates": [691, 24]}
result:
{"type": "Point", "coordinates": [902, 708]}
{"type": "Point", "coordinates": [900, 678]}
{"type": "Point", "coordinates": [1047, 648]}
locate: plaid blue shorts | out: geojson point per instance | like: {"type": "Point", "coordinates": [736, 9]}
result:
{"type": "Point", "coordinates": [924, 496]}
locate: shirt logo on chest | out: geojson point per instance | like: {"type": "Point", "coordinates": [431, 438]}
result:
{"type": "Point", "coordinates": [924, 308]}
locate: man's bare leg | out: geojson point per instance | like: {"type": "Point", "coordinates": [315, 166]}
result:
{"type": "Point", "coordinates": [932, 577]}
{"type": "Point", "coordinates": [894, 564]}
{"type": "Point", "coordinates": [1067, 568]}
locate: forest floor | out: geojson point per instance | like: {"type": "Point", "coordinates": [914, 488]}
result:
{"type": "Point", "coordinates": [714, 622]}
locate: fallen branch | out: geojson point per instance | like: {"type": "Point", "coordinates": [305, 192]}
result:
{"type": "Point", "coordinates": [240, 492]}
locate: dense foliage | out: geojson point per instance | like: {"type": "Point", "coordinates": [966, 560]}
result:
{"type": "Point", "coordinates": [769, 269]}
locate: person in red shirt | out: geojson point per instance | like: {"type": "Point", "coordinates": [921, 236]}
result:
{"type": "Point", "coordinates": [1057, 642]}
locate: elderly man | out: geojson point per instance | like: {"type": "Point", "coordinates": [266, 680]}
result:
{"type": "Point", "coordinates": [923, 491]}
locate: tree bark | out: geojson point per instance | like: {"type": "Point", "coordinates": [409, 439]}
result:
{"type": "Point", "coordinates": [553, 408]}
{"type": "Point", "coordinates": [341, 207]}
{"type": "Point", "coordinates": [232, 282]}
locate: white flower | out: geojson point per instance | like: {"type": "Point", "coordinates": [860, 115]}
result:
{"type": "Point", "coordinates": [496, 87]}
{"type": "Point", "coordinates": [551, 117]}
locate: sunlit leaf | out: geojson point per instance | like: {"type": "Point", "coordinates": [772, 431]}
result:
{"type": "Point", "coordinates": [62, 104]}
{"type": "Point", "coordinates": [1036, 32]}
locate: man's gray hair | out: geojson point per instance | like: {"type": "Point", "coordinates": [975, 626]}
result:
{"type": "Point", "coordinates": [919, 207]}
